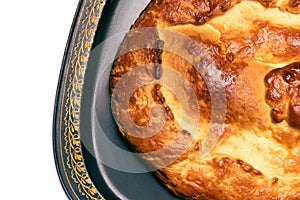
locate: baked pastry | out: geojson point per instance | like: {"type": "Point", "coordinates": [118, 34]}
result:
{"type": "Point", "coordinates": [212, 87]}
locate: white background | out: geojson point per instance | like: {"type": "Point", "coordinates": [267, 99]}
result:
{"type": "Point", "coordinates": [33, 36]}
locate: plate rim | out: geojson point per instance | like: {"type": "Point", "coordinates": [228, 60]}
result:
{"type": "Point", "coordinates": [67, 150]}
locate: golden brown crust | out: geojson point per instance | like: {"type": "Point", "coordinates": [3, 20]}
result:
{"type": "Point", "coordinates": [255, 48]}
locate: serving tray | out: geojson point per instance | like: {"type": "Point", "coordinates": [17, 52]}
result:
{"type": "Point", "coordinates": [92, 160]}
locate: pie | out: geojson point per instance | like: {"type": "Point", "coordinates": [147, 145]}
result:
{"type": "Point", "coordinates": [208, 91]}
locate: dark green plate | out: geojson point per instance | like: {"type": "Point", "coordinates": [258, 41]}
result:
{"type": "Point", "coordinates": [92, 160]}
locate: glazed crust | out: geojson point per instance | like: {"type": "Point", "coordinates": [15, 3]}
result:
{"type": "Point", "coordinates": [255, 49]}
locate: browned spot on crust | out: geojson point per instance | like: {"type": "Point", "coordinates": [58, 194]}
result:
{"type": "Point", "coordinates": [196, 147]}
{"type": "Point", "coordinates": [294, 3]}
{"type": "Point", "coordinates": [230, 56]}
{"type": "Point", "coordinates": [248, 168]}
{"type": "Point", "coordinates": [222, 166]}
{"type": "Point", "coordinates": [268, 3]}
{"type": "Point", "coordinates": [274, 180]}
{"type": "Point", "coordinates": [283, 94]}
{"type": "Point", "coordinates": [158, 60]}
{"type": "Point", "coordinates": [157, 95]}
{"type": "Point", "coordinates": [169, 113]}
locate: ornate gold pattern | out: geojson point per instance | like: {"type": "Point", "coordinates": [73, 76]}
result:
{"type": "Point", "coordinates": [77, 63]}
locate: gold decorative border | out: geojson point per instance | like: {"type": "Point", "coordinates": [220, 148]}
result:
{"type": "Point", "coordinates": [76, 65]}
